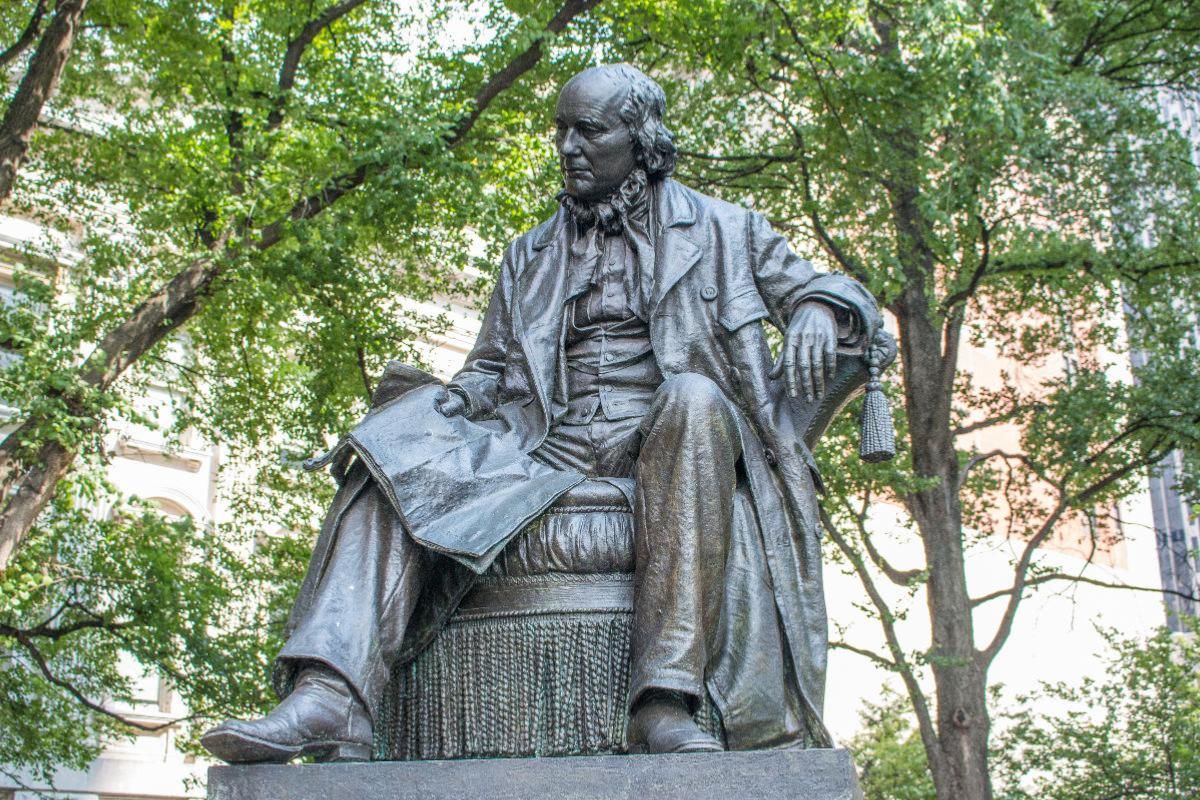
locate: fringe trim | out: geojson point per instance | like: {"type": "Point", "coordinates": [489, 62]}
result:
{"type": "Point", "coordinates": [550, 685]}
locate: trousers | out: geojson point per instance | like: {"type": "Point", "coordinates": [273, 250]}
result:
{"type": "Point", "coordinates": [682, 455]}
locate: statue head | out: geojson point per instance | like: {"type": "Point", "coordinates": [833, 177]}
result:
{"type": "Point", "coordinates": [608, 123]}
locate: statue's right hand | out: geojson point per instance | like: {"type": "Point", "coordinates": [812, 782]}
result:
{"type": "Point", "coordinates": [450, 404]}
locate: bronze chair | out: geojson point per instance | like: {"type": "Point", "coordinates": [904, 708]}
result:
{"type": "Point", "coordinates": [535, 661]}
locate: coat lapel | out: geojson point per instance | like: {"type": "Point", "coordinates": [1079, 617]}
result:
{"type": "Point", "coordinates": [676, 250]}
{"type": "Point", "coordinates": [538, 311]}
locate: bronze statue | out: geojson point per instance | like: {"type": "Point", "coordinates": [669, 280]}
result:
{"type": "Point", "coordinates": [623, 343]}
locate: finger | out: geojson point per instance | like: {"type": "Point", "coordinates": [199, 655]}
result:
{"type": "Point", "coordinates": [793, 386]}
{"type": "Point", "coordinates": [830, 360]}
{"type": "Point", "coordinates": [793, 371]}
{"type": "Point", "coordinates": [450, 405]}
{"type": "Point", "coordinates": [818, 371]}
{"type": "Point", "coordinates": [789, 344]}
{"type": "Point", "coordinates": [806, 370]}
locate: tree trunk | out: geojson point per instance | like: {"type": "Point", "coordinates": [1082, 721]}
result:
{"type": "Point", "coordinates": [35, 89]}
{"type": "Point", "coordinates": [35, 476]}
{"type": "Point", "coordinates": [929, 350]}
{"type": "Point", "coordinates": [959, 766]}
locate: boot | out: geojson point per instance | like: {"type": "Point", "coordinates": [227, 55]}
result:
{"type": "Point", "coordinates": [661, 723]}
{"type": "Point", "coordinates": [322, 717]}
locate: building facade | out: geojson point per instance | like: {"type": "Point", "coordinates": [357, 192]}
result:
{"type": "Point", "coordinates": [1176, 527]}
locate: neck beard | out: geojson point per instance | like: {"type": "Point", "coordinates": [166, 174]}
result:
{"type": "Point", "coordinates": [609, 213]}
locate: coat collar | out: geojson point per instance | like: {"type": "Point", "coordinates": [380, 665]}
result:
{"type": "Point", "coordinates": [673, 208]}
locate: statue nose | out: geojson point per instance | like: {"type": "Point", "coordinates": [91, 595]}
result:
{"type": "Point", "coordinates": [569, 143]}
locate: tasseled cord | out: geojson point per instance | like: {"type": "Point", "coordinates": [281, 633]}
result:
{"type": "Point", "coordinates": [877, 435]}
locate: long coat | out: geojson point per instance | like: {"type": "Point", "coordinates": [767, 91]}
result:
{"type": "Point", "coordinates": [719, 271]}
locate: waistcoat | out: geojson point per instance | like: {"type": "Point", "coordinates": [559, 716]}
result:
{"type": "Point", "coordinates": [609, 363]}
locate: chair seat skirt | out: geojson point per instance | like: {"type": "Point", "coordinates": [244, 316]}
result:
{"type": "Point", "coordinates": [535, 662]}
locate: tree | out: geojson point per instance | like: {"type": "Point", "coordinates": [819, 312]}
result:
{"type": "Point", "coordinates": [1129, 735]}
{"type": "Point", "coordinates": [216, 159]}
{"type": "Point", "coordinates": [997, 172]}
{"type": "Point", "coordinates": [91, 591]}
{"type": "Point", "coordinates": [261, 188]}
{"type": "Point", "coordinates": [888, 752]}
{"type": "Point", "coordinates": [39, 82]}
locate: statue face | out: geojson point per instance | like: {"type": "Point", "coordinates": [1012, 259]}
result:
{"type": "Point", "coordinates": [595, 150]}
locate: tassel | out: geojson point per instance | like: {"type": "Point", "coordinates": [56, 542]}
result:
{"type": "Point", "coordinates": [877, 435]}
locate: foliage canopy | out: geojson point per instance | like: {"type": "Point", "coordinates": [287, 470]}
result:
{"type": "Point", "coordinates": [1130, 734]}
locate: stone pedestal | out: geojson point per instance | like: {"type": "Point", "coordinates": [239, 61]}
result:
{"type": "Point", "coordinates": [761, 775]}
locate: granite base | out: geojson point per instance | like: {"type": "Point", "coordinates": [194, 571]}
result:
{"type": "Point", "coordinates": [758, 775]}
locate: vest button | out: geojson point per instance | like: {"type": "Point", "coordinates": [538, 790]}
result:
{"type": "Point", "coordinates": [709, 293]}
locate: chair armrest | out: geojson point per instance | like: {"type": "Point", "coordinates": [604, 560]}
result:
{"type": "Point", "coordinates": [848, 381]}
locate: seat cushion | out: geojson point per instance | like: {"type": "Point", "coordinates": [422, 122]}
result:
{"type": "Point", "coordinates": [596, 494]}
{"type": "Point", "coordinates": [588, 531]}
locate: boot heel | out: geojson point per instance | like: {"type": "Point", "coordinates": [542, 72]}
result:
{"type": "Point", "coordinates": [346, 751]}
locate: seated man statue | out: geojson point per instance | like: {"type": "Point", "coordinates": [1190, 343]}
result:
{"type": "Point", "coordinates": [623, 341]}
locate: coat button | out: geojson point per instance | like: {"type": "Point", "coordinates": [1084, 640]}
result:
{"type": "Point", "coordinates": [709, 293]}
{"type": "Point", "coordinates": [770, 457]}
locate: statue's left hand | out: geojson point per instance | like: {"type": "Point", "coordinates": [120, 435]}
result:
{"type": "Point", "coordinates": [450, 404]}
{"type": "Point", "coordinates": [809, 354]}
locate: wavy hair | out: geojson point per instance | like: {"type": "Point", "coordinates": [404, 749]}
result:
{"type": "Point", "coordinates": [642, 111]}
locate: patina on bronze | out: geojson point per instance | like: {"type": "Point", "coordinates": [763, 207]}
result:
{"type": "Point", "coordinates": [623, 343]}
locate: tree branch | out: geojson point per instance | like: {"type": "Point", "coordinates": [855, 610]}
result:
{"type": "Point", "coordinates": [897, 576]}
{"type": "Point", "coordinates": [27, 36]}
{"type": "Point", "coordinates": [1080, 578]}
{"type": "Point", "coordinates": [1020, 576]}
{"type": "Point", "coordinates": [887, 622]}
{"type": "Point", "coordinates": [361, 356]}
{"type": "Point", "coordinates": [979, 458]}
{"type": "Point", "coordinates": [847, 262]}
{"type": "Point", "coordinates": [35, 90]}
{"type": "Point", "coordinates": [70, 688]}
{"type": "Point", "coordinates": [988, 422]}
{"type": "Point", "coordinates": [1021, 570]}
{"type": "Point", "coordinates": [1087, 265]}
{"type": "Point", "coordinates": [1155, 453]}
{"type": "Point", "coordinates": [865, 653]}
{"type": "Point", "coordinates": [985, 258]}
{"type": "Point", "coordinates": [337, 187]}
{"type": "Point", "coordinates": [295, 51]}
{"type": "Point", "coordinates": [314, 204]}
{"type": "Point", "coordinates": [905, 577]}
{"type": "Point", "coordinates": [519, 65]}
{"type": "Point", "coordinates": [46, 631]}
